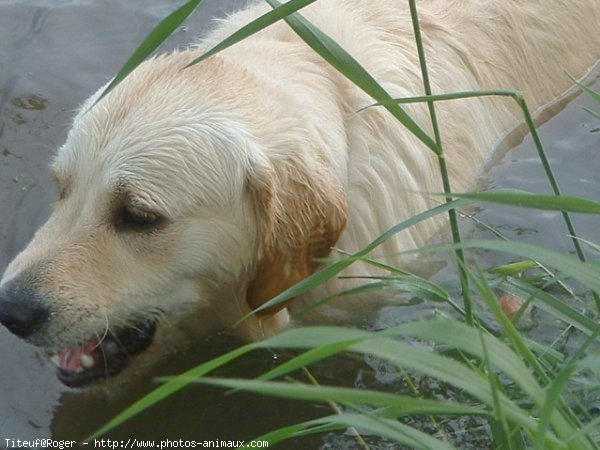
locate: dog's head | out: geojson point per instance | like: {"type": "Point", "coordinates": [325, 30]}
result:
{"type": "Point", "coordinates": [182, 190]}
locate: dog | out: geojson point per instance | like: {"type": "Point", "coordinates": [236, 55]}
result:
{"type": "Point", "coordinates": [207, 190]}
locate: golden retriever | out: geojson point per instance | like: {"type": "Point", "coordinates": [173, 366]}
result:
{"type": "Point", "coordinates": [207, 191]}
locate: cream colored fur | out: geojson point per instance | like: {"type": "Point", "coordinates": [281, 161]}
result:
{"type": "Point", "coordinates": [260, 160]}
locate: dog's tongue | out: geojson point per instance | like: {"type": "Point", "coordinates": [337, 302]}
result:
{"type": "Point", "coordinates": [70, 359]}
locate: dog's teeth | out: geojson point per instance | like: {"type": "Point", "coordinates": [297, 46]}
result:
{"type": "Point", "coordinates": [87, 361]}
{"type": "Point", "coordinates": [55, 360]}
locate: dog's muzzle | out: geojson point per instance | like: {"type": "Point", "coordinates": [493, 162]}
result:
{"type": "Point", "coordinates": [24, 312]}
{"type": "Point", "coordinates": [103, 357]}
{"type": "Point", "coordinates": [21, 310]}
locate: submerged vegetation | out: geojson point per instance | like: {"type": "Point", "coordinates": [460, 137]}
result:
{"type": "Point", "coordinates": [525, 393]}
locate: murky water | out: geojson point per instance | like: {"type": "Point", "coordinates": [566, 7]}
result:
{"type": "Point", "coordinates": [53, 54]}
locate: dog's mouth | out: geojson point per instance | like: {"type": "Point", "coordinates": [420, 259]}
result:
{"type": "Point", "coordinates": [103, 357]}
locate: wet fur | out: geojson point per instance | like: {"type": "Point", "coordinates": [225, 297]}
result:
{"type": "Point", "coordinates": [260, 161]}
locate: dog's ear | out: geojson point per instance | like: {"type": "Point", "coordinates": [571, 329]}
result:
{"type": "Point", "coordinates": [301, 214]}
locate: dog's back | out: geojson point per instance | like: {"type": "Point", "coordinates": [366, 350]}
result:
{"type": "Point", "coordinates": [470, 45]}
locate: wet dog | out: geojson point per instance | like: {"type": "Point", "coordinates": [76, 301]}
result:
{"type": "Point", "coordinates": [202, 193]}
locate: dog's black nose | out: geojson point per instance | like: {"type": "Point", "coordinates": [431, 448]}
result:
{"type": "Point", "coordinates": [21, 311]}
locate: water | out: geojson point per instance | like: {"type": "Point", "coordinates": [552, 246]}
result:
{"type": "Point", "coordinates": [53, 54]}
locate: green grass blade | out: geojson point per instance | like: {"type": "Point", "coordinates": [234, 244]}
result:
{"type": "Point", "coordinates": [552, 305]}
{"type": "Point", "coordinates": [444, 369]}
{"type": "Point", "coordinates": [330, 271]}
{"type": "Point", "coordinates": [563, 424]}
{"type": "Point", "coordinates": [373, 424]}
{"type": "Point", "coordinates": [335, 55]}
{"type": "Point", "coordinates": [535, 136]}
{"type": "Point", "coordinates": [467, 339]}
{"type": "Point", "coordinates": [305, 359]}
{"type": "Point", "coordinates": [156, 37]}
{"type": "Point", "coordinates": [389, 429]}
{"type": "Point", "coordinates": [399, 353]}
{"type": "Point", "coordinates": [295, 431]}
{"type": "Point", "coordinates": [515, 268]}
{"type": "Point", "coordinates": [593, 113]}
{"type": "Point", "coordinates": [407, 284]}
{"type": "Point", "coordinates": [376, 287]}
{"type": "Point", "coordinates": [443, 168]}
{"type": "Point", "coordinates": [498, 422]}
{"type": "Point", "coordinates": [424, 289]}
{"type": "Point", "coordinates": [446, 97]}
{"type": "Point", "coordinates": [317, 336]}
{"type": "Point", "coordinates": [581, 271]}
{"type": "Point", "coordinates": [412, 221]}
{"type": "Point", "coordinates": [588, 91]}
{"type": "Point", "coordinates": [590, 429]}
{"type": "Point", "coordinates": [377, 344]}
{"type": "Point", "coordinates": [519, 99]}
{"type": "Point", "coordinates": [552, 401]}
{"type": "Point", "coordinates": [441, 291]}
{"type": "Point", "coordinates": [168, 389]}
{"type": "Point", "coordinates": [524, 199]}
{"type": "Point", "coordinates": [586, 273]}
{"type": "Point", "coordinates": [401, 404]}
{"type": "Point", "coordinates": [254, 27]}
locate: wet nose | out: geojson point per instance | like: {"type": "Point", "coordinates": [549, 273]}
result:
{"type": "Point", "coordinates": [21, 311]}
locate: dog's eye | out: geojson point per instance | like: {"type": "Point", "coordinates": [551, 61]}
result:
{"type": "Point", "coordinates": [136, 219]}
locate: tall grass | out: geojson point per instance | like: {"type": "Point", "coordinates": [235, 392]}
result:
{"type": "Point", "coordinates": [522, 389]}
